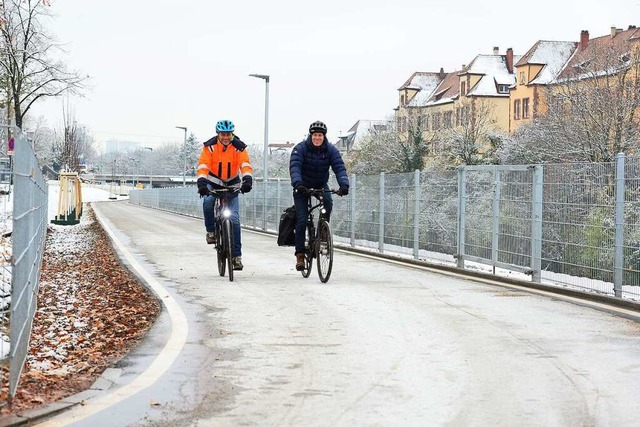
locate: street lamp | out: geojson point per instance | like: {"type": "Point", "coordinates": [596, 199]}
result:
{"type": "Point", "coordinates": [135, 171]}
{"type": "Point", "coordinates": [150, 168]}
{"type": "Point", "coordinates": [266, 143]}
{"type": "Point", "coordinates": [184, 155]}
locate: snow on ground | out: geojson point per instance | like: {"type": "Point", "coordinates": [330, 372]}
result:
{"type": "Point", "coordinates": [90, 193]}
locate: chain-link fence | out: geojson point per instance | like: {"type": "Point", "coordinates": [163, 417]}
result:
{"type": "Point", "coordinates": [567, 224]}
{"type": "Point", "coordinates": [29, 212]}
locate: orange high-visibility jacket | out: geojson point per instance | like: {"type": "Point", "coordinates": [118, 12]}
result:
{"type": "Point", "coordinates": [224, 166]}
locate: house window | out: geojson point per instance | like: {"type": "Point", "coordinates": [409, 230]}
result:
{"type": "Point", "coordinates": [402, 100]}
{"type": "Point", "coordinates": [525, 108]}
{"type": "Point", "coordinates": [447, 118]}
{"type": "Point", "coordinates": [503, 88]}
{"type": "Point", "coordinates": [516, 109]}
{"type": "Point", "coordinates": [522, 78]}
{"type": "Point", "coordinates": [436, 121]}
{"type": "Point", "coordinates": [463, 88]}
{"type": "Point", "coordinates": [464, 116]}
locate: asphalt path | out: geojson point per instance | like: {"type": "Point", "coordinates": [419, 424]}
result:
{"type": "Point", "coordinates": [380, 344]}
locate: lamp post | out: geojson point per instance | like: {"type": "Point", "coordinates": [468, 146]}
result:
{"type": "Point", "coordinates": [266, 143]}
{"type": "Point", "coordinates": [136, 177]}
{"type": "Point", "coordinates": [184, 155]}
{"type": "Point", "coordinates": [150, 168]}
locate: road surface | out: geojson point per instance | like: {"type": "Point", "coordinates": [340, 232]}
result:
{"type": "Point", "coordinates": [380, 344]}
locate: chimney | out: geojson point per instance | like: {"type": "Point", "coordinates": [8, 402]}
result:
{"type": "Point", "coordinates": [441, 73]}
{"type": "Point", "coordinates": [615, 31]}
{"type": "Point", "coordinates": [631, 27]}
{"type": "Point", "coordinates": [510, 60]}
{"type": "Point", "coordinates": [496, 50]}
{"type": "Point", "coordinates": [584, 39]}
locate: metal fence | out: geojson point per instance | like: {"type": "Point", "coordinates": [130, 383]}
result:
{"type": "Point", "coordinates": [574, 225]}
{"type": "Point", "coordinates": [30, 212]}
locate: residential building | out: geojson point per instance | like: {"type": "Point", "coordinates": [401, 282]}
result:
{"type": "Point", "coordinates": [537, 68]}
{"type": "Point", "coordinates": [484, 88]}
{"type": "Point", "coordinates": [352, 140]}
{"type": "Point", "coordinates": [413, 96]}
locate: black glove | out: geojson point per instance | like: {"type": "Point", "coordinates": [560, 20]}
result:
{"type": "Point", "coordinates": [343, 191]}
{"type": "Point", "coordinates": [301, 189]}
{"type": "Point", "coordinates": [247, 182]}
{"type": "Point", "coordinates": [203, 190]}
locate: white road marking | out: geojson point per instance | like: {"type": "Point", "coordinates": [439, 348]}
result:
{"type": "Point", "coordinates": [173, 347]}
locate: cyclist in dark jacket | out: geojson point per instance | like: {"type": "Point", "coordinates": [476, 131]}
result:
{"type": "Point", "coordinates": [309, 168]}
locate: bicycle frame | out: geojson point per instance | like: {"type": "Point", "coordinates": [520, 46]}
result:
{"type": "Point", "coordinates": [319, 243]}
{"type": "Point", "coordinates": [224, 231]}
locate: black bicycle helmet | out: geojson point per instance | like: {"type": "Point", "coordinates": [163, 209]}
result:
{"type": "Point", "coordinates": [318, 127]}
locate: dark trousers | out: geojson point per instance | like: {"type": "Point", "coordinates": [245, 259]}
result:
{"type": "Point", "coordinates": [301, 202]}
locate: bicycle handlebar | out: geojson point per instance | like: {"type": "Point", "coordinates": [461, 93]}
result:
{"type": "Point", "coordinates": [315, 191]}
{"type": "Point", "coordinates": [223, 190]}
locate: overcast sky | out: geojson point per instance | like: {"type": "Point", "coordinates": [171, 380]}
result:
{"type": "Point", "coordinates": [159, 64]}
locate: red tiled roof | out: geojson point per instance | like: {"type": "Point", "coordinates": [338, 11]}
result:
{"type": "Point", "coordinates": [601, 53]}
{"type": "Point", "coordinates": [448, 88]}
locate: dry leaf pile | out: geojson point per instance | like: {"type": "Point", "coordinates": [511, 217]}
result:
{"type": "Point", "coordinates": [91, 312]}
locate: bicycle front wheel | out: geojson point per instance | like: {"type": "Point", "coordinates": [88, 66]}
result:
{"type": "Point", "coordinates": [227, 239]}
{"type": "Point", "coordinates": [324, 251]}
{"type": "Point", "coordinates": [220, 252]}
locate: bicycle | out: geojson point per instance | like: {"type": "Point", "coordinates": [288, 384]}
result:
{"type": "Point", "coordinates": [224, 230]}
{"type": "Point", "coordinates": [318, 240]}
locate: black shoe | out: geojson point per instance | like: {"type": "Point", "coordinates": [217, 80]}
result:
{"type": "Point", "coordinates": [211, 237]}
{"type": "Point", "coordinates": [237, 263]}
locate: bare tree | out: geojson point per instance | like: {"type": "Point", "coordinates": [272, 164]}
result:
{"type": "Point", "coordinates": [474, 136]}
{"type": "Point", "coordinates": [30, 71]}
{"type": "Point", "coordinates": [592, 116]}
{"type": "Point", "coordinates": [71, 145]}
{"type": "Point", "coordinates": [384, 150]}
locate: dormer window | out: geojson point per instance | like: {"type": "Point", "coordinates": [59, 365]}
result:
{"type": "Point", "coordinates": [503, 88]}
{"type": "Point", "coordinates": [463, 88]}
{"type": "Point", "coordinates": [583, 64]}
{"type": "Point", "coordinates": [522, 78]}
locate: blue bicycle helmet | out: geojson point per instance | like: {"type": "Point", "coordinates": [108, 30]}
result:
{"type": "Point", "coordinates": [225, 126]}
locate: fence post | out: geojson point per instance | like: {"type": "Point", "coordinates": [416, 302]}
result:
{"type": "Point", "coordinates": [536, 224]}
{"type": "Point", "coordinates": [618, 256]}
{"type": "Point", "coordinates": [352, 191]}
{"type": "Point", "coordinates": [381, 215]}
{"type": "Point", "coordinates": [462, 176]}
{"type": "Point", "coordinates": [278, 202]}
{"type": "Point", "coordinates": [416, 215]}
{"type": "Point", "coordinates": [495, 217]}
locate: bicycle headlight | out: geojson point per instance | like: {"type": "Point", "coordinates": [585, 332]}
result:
{"type": "Point", "coordinates": [226, 213]}
{"type": "Point", "coordinates": [324, 211]}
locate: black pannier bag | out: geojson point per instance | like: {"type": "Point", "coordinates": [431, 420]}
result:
{"type": "Point", "coordinates": [287, 227]}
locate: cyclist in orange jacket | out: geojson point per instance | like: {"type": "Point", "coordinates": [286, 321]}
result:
{"type": "Point", "coordinates": [224, 163]}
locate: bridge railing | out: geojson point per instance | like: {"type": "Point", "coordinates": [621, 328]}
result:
{"type": "Point", "coordinates": [574, 225]}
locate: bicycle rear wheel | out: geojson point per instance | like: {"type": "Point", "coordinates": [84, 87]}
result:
{"type": "Point", "coordinates": [324, 251]}
{"type": "Point", "coordinates": [227, 239]}
{"type": "Point", "coordinates": [308, 257]}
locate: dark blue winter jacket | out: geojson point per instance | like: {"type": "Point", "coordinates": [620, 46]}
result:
{"type": "Point", "coordinates": [309, 165]}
